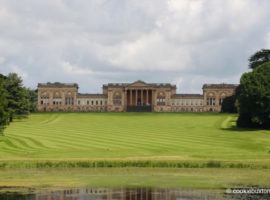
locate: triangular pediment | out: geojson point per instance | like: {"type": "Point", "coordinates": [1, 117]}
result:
{"type": "Point", "coordinates": [138, 83]}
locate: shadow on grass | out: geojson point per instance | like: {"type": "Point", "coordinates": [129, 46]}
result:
{"type": "Point", "coordinates": [234, 128]}
{"type": "Point", "coordinates": [231, 126]}
{"type": "Point", "coordinates": [19, 118]}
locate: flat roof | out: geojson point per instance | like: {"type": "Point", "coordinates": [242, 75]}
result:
{"type": "Point", "coordinates": [58, 84]}
{"type": "Point", "coordinates": [192, 96]}
{"type": "Point", "coordinates": [221, 85]}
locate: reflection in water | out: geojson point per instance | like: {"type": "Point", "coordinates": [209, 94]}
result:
{"type": "Point", "coordinates": [121, 194]}
{"type": "Point", "coordinates": [125, 194]}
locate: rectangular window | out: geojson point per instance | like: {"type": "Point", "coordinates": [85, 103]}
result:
{"type": "Point", "coordinates": [69, 101]}
{"type": "Point", "coordinates": [57, 101]}
{"type": "Point", "coordinates": [45, 100]}
{"type": "Point", "coordinates": [161, 102]}
{"type": "Point", "coordinates": [211, 101]}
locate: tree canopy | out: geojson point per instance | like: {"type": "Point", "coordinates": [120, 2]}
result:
{"type": "Point", "coordinates": [15, 99]}
{"type": "Point", "coordinates": [4, 116]}
{"type": "Point", "coordinates": [33, 98]}
{"type": "Point", "coordinates": [259, 58]}
{"type": "Point", "coordinates": [18, 102]}
{"type": "Point", "coordinates": [228, 105]}
{"type": "Point", "coordinates": [253, 96]}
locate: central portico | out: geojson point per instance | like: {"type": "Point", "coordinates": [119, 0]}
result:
{"type": "Point", "coordinates": [138, 96]}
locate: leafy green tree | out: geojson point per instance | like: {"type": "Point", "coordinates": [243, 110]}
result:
{"type": "Point", "coordinates": [4, 117]}
{"type": "Point", "coordinates": [228, 104]}
{"type": "Point", "coordinates": [33, 98]}
{"type": "Point", "coordinates": [253, 96]}
{"type": "Point", "coordinates": [18, 102]}
{"type": "Point", "coordinates": [259, 58]}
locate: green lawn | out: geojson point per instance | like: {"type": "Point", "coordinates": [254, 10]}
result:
{"type": "Point", "coordinates": [219, 178]}
{"type": "Point", "coordinates": [132, 137]}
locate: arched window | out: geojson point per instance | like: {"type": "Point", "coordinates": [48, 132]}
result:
{"type": "Point", "coordinates": [44, 99]}
{"type": "Point", "coordinates": [57, 100]}
{"type": "Point", "coordinates": [211, 100]}
{"type": "Point", "coordinates": [117, 98]}
{"type": "Point", "coordinates": [221, 97]}
{"type": "Point", "coordinates": [161, 99]}
{"type": "Point", "coordinates": [69, 100]}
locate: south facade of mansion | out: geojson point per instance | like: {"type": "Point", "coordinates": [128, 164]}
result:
{"type": "Point", "coordinates": [138, 96]}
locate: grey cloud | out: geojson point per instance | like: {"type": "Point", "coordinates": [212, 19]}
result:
{"type": "Point", "coordinates": [93, 42]}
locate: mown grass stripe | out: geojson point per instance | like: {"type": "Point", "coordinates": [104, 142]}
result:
{"type": "Point", "coordinates": [128, 135]}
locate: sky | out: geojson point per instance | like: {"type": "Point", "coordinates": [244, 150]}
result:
{"type": "Point", "coordinates": [94, 42]}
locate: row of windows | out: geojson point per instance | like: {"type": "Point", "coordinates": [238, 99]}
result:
{"type": "Point", "coordinates": [187, 109]}
{"type": "Point", "coordinates": [69, 101]}
{"type": "Point", "coordinates": [45, 100]}
{"type": "Point", "coordinates": [92, 102]}
{"type": "Point", "coordinates": [160, 101]}
{"type": "Point", "coordinates": [212, 101]}
{"type": "Point", "coordinates": [187, 102]}
{"type": "Point", "coordinates": [57, 101]}
{"type": "Point", "coordinates": [92, 109]}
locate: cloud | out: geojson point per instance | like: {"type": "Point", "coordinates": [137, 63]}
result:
{"type": "Point", "coordinates": [187, 42]}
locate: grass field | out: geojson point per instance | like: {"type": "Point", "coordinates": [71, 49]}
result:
{"type": "Point", "coordinates": [192, 139]}
{"type": "Point", "coordinates": [219, 178]}
{"type": "Point", "coordinates": [155, 136]}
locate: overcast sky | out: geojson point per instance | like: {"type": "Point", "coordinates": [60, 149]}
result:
{"type": "Point", "coordinates": [93, 42]}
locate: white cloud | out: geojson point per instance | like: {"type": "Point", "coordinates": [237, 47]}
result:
{"type": "Point", "coordinates": [188, 42]}
{"type": "Point", "coordinates": [18, 70]}
{"type": "Point", "coordinates": [2, 60]}
{"type": "Point", "coordinates": [149, 52]}
{"type": "Point", "coordinates": [74, 70]}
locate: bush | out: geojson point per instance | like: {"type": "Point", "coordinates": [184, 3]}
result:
{"type": "Point", "coordinates": [228, 105]}
{"type": "Point", "coordinates": [253, 96]}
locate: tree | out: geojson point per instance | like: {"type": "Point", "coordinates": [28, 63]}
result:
{"type": "Point", "coordinates": [18, 102]}
{"type": "Point", "coordinates": [33, 98]}
{"type": "Point", "coordinates": [228, 104]}
{"type": "Point", "coordinates": [259, 58]}
{"type": "Point", "coordinates": [253, 96]}
{"type": "Point", "coordinates": [4, 117]}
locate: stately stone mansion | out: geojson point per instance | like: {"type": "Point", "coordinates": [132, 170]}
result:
{"type": "Point", "coordinates": [132, 97]}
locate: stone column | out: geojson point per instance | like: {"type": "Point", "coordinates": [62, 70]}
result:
{"type": "Point", "coordinates": [147, 97]}
{"type": "Point", "coordinates": [153, 97]}
{"type": "Point", "coordinates": [136, 95]}
{"type": "Point", "coordinates": [125, 98]}
{"type": "Point", "coordinates": [130, 97]}
{"type": "Point", "coordinates": [141, 97]}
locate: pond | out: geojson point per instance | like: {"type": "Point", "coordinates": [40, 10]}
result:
{"type": "Point", "coordinates": [121, 194]}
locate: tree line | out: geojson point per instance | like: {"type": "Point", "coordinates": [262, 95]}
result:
{"type": "Point", "coordinates": [252, 97]}
{"type": "Point", "coordinates": [15, 100]}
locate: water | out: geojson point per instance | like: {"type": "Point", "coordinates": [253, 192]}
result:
{"type": "Point", "coordinates": [122, 194]}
